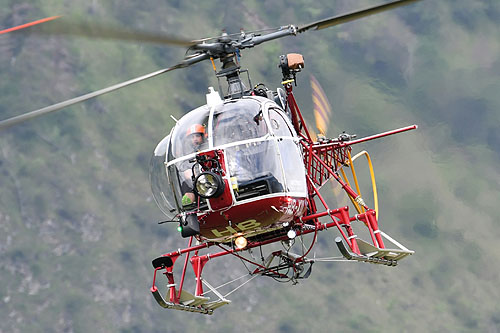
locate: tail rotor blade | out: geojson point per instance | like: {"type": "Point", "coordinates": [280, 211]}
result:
{"type": "Point", "coordinates": [321, 106]}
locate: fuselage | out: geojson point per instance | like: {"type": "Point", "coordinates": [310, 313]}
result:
{"type": "Point", "coordinates": [261, 165]}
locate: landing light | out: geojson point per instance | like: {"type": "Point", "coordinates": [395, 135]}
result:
{"type": "Point", "coordinates": [209, 185]}
{"type": "Point", "coordinates": [241, 242]}
{"type": "Point", "coordinates": [291, 234]}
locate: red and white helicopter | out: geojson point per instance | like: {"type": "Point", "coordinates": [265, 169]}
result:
{"type": "Point", "coordinates": [244, 171]}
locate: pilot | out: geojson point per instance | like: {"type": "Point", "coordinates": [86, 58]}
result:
{"type": "Point", "coordinates": [196, 136]}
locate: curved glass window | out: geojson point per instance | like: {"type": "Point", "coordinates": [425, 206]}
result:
{"type": "Point", "coordinates": [258, 163]}
{"type": "Point", "coordinates": [160, 185]}
{"type": "Point", "coordinates": [238, 121]}
{"type": "Point", "coordinates": [278, 124]}
{"type": "Point", "coordinates": [293, 166]}
{"type": "Point", "coordinates": [254, 169]}
{"type": "Point", "coordinates": [190, 134]}
{"type": "Point", "coordinates": [181, 174]}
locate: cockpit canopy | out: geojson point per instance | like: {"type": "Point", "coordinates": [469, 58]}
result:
{"type": "Point", "coordinates": [260, 146]}
{"type": "Point", "coordinates": [232, 121]}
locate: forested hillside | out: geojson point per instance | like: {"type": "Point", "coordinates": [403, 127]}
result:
{"type": "Point", "coordinates": [78, 224]}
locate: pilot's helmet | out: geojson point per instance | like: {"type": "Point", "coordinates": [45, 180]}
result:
{"type": "Point", "coordinates": [195, 128]}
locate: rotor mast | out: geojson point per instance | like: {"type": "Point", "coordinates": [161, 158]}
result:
{"type": "Point", "coordinates": [231, 71]}
{"type": "Point", "coordinates": [227, 49]}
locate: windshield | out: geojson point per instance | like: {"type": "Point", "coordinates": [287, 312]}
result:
{"type": "Point", "coordinates": [261, 155]}
{"type": "Point", "coordinates": [254, 169]}
{"type": "Point", "coordinates": [238, 121]}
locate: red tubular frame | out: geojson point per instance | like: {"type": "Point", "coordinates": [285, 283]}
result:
{"type": "Point", "coordinates": [297, 120]}
{"type": "Point", "coordinates": [340, 217]}
{"type": "Point", "coordinates": [321, 161]}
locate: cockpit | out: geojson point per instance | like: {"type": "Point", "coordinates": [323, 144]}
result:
{"type": "Point", "coordinates": [261, 154]}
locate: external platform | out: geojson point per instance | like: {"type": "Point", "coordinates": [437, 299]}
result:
{"type": "Point", "coordinates": [189, 302]}
{"type": "Point", "coordinates": [373, 254]}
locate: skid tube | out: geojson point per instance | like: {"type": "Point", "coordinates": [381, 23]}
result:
{"type": "Point", "coordinates": [353, 256]}
{"type": "Point", "coordinates": [169, 305]}
{"type": "Point", "coordinates": [339, 217]}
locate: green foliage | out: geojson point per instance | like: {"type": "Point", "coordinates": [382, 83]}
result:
{"type": "Point", "coordinates": [77, 221]}
{"type": "Point", "coordinates": [418, 213]}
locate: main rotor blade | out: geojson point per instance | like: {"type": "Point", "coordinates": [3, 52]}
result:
{"type": "Point", "coordinates": [100, 30]}
{"type": "Point", "coordinates": [30, 24]}
{"type": "Point", "coordinates": [58, 106]}
{"type": "Point", "coordinates": [336, 20]}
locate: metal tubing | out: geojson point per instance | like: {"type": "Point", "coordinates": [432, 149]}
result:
{"type": "Point", "coordinates": [296, 112]}
{"type": "Point", "coordinates": [154, 278]}
{"type": "Point", "coordinates": [318, 227]}
{"type": "Point", "coordinates": [347, 188]}
{"type": "Point", "coordinates": [185, 267]}
{"type": "Point", "coordinates": [170, 276]}
{"type": "Point", "coordinates": [372, 219]}
{"type": "Point", "coordinates": [380, 135]}
{"type": "Point", "coordinates": [251, 262]}
{"type": "Point", "coordinates": [330, 212]}
{"type": "Point", "coordinates": [345, 218]}
{"type": "Point", "coordinates": [198, 264]}
{"type": "Point", "coordinates": [364, 219]}
{"type": "Point", "coordinates": [368, 138]}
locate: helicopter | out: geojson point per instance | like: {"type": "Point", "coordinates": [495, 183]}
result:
{"type": "Point", "coordinates": [244, 171]}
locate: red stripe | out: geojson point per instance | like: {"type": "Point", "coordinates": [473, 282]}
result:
{"type": "Point", "coordinates": [19, 27]}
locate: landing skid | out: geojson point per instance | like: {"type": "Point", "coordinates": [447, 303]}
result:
{"type": "Point", "coordinates": [280, 265]}
{"type": "Point", "coordinates": [190, 303]}
{"type": "Point", "coordinates": [374, 255]}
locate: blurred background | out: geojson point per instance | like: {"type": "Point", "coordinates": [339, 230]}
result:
{"type": "Point", "coordinates": [78, 224]}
